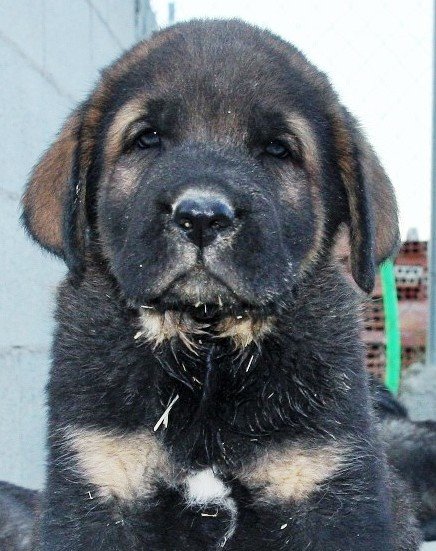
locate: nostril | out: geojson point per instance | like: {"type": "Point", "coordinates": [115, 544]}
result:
{"type": "Point", "coordinates": [222, 216]}
{"type": "Point", "coordinates": [184, 216]}
{"type": "Point", "coordinates": [185, 223]}
{"type": "Point", "coordinates": [216, 225]}
{"type": "Point", "coordinates": [221, 222]}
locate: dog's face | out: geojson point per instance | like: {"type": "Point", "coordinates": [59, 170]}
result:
{"type": "Point", "coordinates": [212, 165]}
{"type": "Point", "coordinates": [207, 193]}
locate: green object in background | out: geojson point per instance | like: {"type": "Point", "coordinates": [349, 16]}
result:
{"type": "Point", "coordinates": [392, 326]}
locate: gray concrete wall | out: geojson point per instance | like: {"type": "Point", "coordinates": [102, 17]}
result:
{"type": "Point", "coordinates": [50, 55]}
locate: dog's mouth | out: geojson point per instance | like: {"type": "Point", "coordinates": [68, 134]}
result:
{"type": "Point", "coordinates": [207, 316]}
{"type": "Point", "coordinates": [198, 305]}
{"type": "Point", "coordinates": [210, 315]}
{"type": "Point", "coordinates": [204, 296]}
{"type": "Point", "coordinates": [195, 326]}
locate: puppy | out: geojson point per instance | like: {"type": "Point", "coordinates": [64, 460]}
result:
{"type": "Point", "coordinates": [19, 511]}
{"type": "Point", "coordinates": [208, 389]}
{"type": "Point", "coordinates": [411, 450]}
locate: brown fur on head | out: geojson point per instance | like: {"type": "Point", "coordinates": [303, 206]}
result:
{"type": "Point", "coordinates": [46, 196]}
{"type": "Point", "coordinates": [94, 184]}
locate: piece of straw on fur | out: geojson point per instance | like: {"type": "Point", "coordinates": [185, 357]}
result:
{"type": "Point", "coordinates": [163, 419]}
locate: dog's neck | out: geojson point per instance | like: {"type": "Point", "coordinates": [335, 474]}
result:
{"type": "Point", "coordinates": [251, 380]}
{"type": "Point", "coordinates": [221, 376]}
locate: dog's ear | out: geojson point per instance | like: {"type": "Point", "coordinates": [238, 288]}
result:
{"type": "Point", "coordinates": [372, 217]}
{"type": "Point", "coordinates": [53, 202]}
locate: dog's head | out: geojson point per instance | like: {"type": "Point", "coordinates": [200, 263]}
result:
{"type": "Point", "coordinates": [212, 164]}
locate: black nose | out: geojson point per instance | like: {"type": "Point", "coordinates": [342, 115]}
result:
{"type": "Point", "coordinates": [203, 217]}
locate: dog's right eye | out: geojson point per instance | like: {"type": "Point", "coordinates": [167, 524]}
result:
{"type": "Point", "coordinates": [147, 139]}
{"type": "Point", "coordinates": [277, 149]}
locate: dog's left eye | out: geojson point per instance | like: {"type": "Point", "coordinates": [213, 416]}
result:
{"type": "Point", "coordinates": [147, 139]}
{"type": "Point", "coordinates": [277, 149]}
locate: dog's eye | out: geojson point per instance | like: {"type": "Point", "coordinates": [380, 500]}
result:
{"type": "Point", "coordinates": [148, 138]}
{"type": "Point", "coordinates": [277, 149]}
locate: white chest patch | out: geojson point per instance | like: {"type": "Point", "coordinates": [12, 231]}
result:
{"type": "Point", "coordinates": [204, 489]}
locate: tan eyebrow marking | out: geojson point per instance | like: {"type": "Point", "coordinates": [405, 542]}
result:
{"type": "Point", "coordinates": [130, 112]}
{"type": "Point", "coordinates": [303, 131]}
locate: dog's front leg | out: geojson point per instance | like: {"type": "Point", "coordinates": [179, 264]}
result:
{"type": "Point", "coordinates": [316, 501]}
{"type": "Point", "coordinates": [101, 488]}
{"type": "Point", "coordinates": [164, 522]}
{"type": "Point", "coordinates": [325, 523]}
{"type": "Point", "coordinates": [76, 518]}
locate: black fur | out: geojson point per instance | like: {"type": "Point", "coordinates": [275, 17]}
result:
{"type": "Point", "coordinates": [19, 510]}
{"type": "Point", "coordinates": [409, 447]}
{"type": "Point", "coordinates": [411, 450]}
{"type": "Point", "coordinates": [113, 382]}
{"type": "Point", "coordinates": [218, 93]}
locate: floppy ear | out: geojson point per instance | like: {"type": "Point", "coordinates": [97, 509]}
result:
{"type": "Point", "coordinates": [373, 217]}
{"type": "Point", "coordinates": [53, 203]}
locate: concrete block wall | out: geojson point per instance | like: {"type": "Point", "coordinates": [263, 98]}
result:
{"type": "Point", "coordinates": [50, 55]}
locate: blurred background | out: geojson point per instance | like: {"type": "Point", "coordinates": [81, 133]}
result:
{"type": "Point", "coordinates": [379, 56]}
